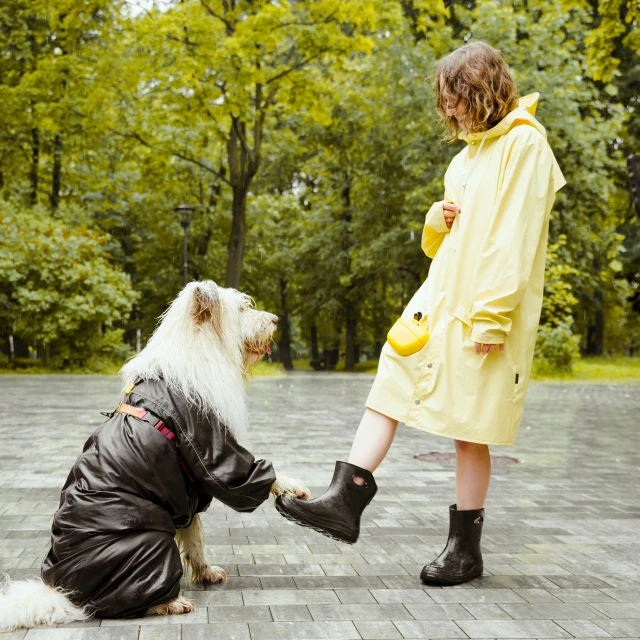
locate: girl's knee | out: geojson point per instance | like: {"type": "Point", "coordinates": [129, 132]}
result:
{"type": "Point", "coordinates": [470, 448]}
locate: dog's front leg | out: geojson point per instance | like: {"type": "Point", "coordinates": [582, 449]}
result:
{"type": "Point", "coordinates": [190, 541]}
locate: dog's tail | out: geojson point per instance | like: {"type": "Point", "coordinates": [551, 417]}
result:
{"type": "Point", "coordinates": [31, 603]}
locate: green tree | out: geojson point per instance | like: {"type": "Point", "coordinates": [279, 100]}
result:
{"type": "Point", "coordinates": [59, 289]}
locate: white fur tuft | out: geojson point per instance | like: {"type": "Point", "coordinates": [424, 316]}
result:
{"type": "Point", "coordinates": [203, 347]}
{"type": "Point", "coordinates": [31, 603]}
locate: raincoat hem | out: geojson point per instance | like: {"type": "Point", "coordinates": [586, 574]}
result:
{"type": "Point", "coordinates": [384, 413]}
{"type": "Point", "coordinates": [439, 433]}
{"type": "Point", "coordinates": [461, 438]}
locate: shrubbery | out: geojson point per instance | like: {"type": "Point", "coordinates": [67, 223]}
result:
{"type": "Point", "coordinates": [59, 290]}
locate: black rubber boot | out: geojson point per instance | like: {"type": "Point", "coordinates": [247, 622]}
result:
{"type": "Point", "coordinates": [336, 513]}
{"type": "Point", "coordinates": [461, 559]}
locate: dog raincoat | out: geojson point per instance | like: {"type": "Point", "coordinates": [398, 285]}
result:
{"type": "Point", "coordinates": [485, 285]}
{"type": "Point", "coordinates": [112, 541]}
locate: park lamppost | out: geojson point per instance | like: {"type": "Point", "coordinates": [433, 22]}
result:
{"type": "Point", "coordinates": [185, 215]}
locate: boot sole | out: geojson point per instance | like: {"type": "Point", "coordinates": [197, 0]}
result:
{"type": "Point", "coordinates": [449, 580]}
{"type": "Point", "coordinates": [333, 533]}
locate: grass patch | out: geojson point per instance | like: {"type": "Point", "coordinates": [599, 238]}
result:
{"type": "Point", "coordinates": [368, 366]}
{"type": "Point", "coordinates": [603, 369]}
{"type": "Point", "coordinates": [268, 369]}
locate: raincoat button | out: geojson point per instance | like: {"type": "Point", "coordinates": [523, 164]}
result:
{"type": "Point", "coordinates": [473, 143]}
{"type": "Point", "coordinates": [430, 365]}
{"type": "Point", "coordinates": [417, 401]}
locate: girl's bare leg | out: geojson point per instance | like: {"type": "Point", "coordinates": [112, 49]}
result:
{"type": "Point", "coordinates": [373, 440]}
{"type": "Point", "coordinates": [473, 472]}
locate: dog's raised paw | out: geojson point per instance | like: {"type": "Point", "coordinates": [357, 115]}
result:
{"type": "Point", "coordinates": [214, 574]}
{"type": "Point", "coordinates": [174, 607]}
{"type": "Point", "coordinates": [299, 491]}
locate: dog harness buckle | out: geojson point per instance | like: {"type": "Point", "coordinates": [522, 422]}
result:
{"type": "Point", "coordinates": [141, 414]}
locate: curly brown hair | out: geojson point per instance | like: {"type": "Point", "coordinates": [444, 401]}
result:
{"type": "Point", "coordinates": [478, 74]}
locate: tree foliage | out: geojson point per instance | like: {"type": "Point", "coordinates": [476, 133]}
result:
{"type": "Point", "coordinates": [58, 289]}
{"type": "Point", "coordinates": [305, 135]}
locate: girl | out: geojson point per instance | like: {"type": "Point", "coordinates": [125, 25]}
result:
{"type": "Point", "coordinates": [483, 297]}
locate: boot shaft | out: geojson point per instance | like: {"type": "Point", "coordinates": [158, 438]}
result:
{"type": "Point", "coordinates": [355, 498]}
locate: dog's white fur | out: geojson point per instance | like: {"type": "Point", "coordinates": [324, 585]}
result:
{"type": "Point", "coordinates": [30, 603]}
{"type": "Point", "coordinates": [204, 347]}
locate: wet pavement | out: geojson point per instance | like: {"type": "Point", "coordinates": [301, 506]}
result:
{"type": "Point", "coordinates": [561, 538]}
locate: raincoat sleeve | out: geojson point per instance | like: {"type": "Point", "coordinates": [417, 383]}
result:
{"type": "Point", "coordinates": [512, 238]}
{"type": "Point", "coordinates": [435, 228]}
{"type": "Point", "coordinates": [220, 465]}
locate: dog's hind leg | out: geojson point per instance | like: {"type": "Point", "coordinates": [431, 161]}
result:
{"type": "Point", "coordinates": [177, 606]}
{"type": "Point", "coordinates": [191, 544]}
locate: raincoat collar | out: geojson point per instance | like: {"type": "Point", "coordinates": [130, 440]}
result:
{"type": "Point", "coordinates": [523, 114]}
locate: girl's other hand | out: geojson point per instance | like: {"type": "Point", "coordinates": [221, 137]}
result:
{"type": "Point", "coordinates": [488, 348]}
{"type": "Point", "coordinates": [450, 212]}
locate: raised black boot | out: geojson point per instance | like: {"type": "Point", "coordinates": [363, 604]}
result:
{"type": "Point", "coordinates": [336, 513]}
{"type": "Point", "coordinates": [461, 559]}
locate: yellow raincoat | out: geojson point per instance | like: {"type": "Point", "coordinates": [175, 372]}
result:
{"type": "Point", "coordinates": [485, 285]}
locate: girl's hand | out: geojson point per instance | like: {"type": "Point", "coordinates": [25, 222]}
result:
{"type": "Point", "coordinates": [450, 212]}
{"type": "Point", "coordinates": [488, 348]}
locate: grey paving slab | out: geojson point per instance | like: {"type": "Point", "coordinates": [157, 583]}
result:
{"type": "Point", "coordinates": [552, 611]}
{"type": "Point", "coordinates": [438, 611]}
{"type": "Point", "coordinates": [290, 612]}
{"type": "Point", "coordinates": [377, 630]}
{"type": "Point", "coordinates": [486, 612]}
{"type": "Point", "coordinates": [155, 633]}
{"type": "Point", "coordinates": [239, 614]}
{"type": "Point", "coordinates": [282, 596]}
{"type": "Point", "coordinates": [232, 631]}
{"type": "Point", "coordinates": [96, 633]}
{"type": "Point", "coordinates": [583, 628]}
{"type": "Point", "coordinates": [620, 628]}
{"type": "Point", "coordinates": [429, 629]}
{"type": "Point", "coordinates": [386, 596]}
{"type": "Point", "coordinates": [303, 631]}
{"type": "Point", "coordinates": [619, 609]}
{"type": "Point", "coordinates": [512, 629]}
{"type": "Point", "coordinates": [359, 612]}
{"type": "Point", "coordinates": [562, 552]}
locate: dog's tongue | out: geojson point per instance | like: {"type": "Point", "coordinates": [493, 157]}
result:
{"type": "Point", "coordinates": [267, 348]}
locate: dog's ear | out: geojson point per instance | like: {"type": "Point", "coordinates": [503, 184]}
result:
{"type": "Point", "coordinates": [206, 304]}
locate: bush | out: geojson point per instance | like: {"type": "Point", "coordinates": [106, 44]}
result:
{"type": "Point", "coordinates": [557, 347]}
{"type": "Point", "coordinates": [58, 288]}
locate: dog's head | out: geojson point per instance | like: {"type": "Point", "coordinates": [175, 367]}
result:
{"type": "Point", "coordinates": [232, 317]}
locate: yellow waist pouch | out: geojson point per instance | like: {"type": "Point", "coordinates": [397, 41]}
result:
{"type": "Point", "coordinates": [409, 336]}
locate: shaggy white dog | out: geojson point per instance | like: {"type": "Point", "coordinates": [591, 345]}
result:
{"type": "Point", "coordinates": [204, 349]}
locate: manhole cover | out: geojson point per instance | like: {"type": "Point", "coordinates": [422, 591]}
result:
{"type": "Point", "coordinates": [436, 456]}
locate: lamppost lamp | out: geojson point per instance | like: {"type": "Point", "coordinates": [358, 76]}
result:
{"type": "Point", "coordinates": [185, 215]}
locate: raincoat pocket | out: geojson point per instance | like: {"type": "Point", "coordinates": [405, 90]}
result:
{"type": "Point", "coordinates": [486, 381]}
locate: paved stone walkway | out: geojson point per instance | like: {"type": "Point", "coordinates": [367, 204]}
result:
{"type": "Point", "coordinates": [561, 544]}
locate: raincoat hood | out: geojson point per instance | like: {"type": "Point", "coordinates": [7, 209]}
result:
{"type": "Point", "coordinates": [523, 114]}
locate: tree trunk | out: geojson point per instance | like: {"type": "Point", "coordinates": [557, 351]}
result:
{"type": "Point", "coordinates": [351, 349]}
{"type": "Point", "coordinates": [57, 171]}
{"type": "Point", "coordinates": [595, 332]}
{"type": "Point", "coordinates": [236, 239]}
{"type": "Point", "coordinates": [35, 158]}
{"type": "Point", "coordinates": [315, 353]}
{"type": "Point", "coordinates": [284, 345]}
{"type": "Point", "coordinates": [242, 170]}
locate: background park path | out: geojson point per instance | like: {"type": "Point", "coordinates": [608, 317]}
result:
{"type": "Point", "coordinates": [561, 544]}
